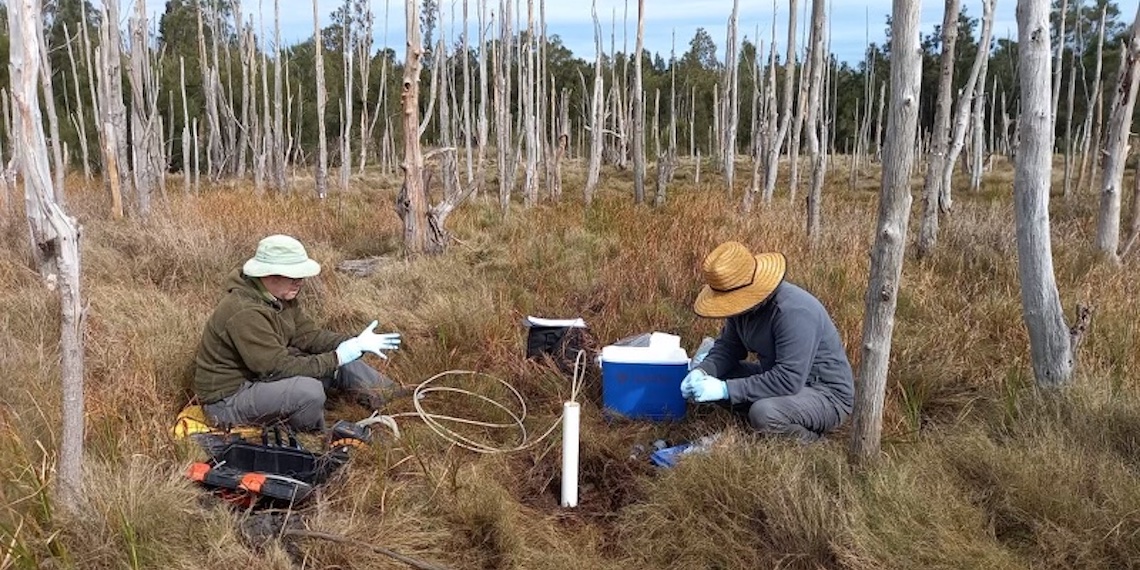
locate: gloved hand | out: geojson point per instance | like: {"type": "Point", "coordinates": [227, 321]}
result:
{"type": "Point", "coordinates": [699, 386]}
{"type": "Point", "coordinates": [348, 351]}
{"type": "Point", "coordinates": [687, 383]}
{"type": "Point", "coordinates": [367, 341]}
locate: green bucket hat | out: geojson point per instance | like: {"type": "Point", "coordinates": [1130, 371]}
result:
{"type": "Point", "coordinates": [281, 255]}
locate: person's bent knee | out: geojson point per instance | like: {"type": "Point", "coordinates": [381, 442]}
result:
{"type": "Point", "coordinates": [765, 417]}
{"type": "Point", "coordinates": [308, 403]}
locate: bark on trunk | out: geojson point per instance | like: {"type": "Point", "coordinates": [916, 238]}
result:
{"type": "Point", "coordinates": [80, 120]}
{"type": "Point", "coordinates": [1116, 149]}
{"type": "Point", "coordinates": [890, 237]}
{"type": "Point", "coordinates": [412, 207]}
{"type": "Point", "coordinates": [147, 163]}
{"type": "Point", "coordinates": [731, 114]}
{"type": "Point", "coordinates": [114, 112]}
{"type": "Point", "coordinates": [638, 98]}
{"type": "Point", "coordinates": [210, 90]}
{"type": "Point", "coordinates": [597, 116]}
{"type": "Point", "coordinates": [965, 104]}
{"type": "Point", "coordinates": [1049, 339]}
{"type": "Point", "coordinates": [503, 127]}
{"type": "Point", "coordinates": [55, 236]}
{"type": "Point", "coordinates": [1093, 109]}
{"type": "Point", "coordinates": [277, 155]}
{"type": "Point", "coordinates": [530, 127]}
{"type": "Point", "coordinates": [1057, 68]}
{"type": "Point", "coordinates": [322, 171]}
{"type": "Point", "coordinates": [59, 167]}
{"type": "Point", "coordinates": [773, 161]}
{"type": "Point", "coordinates": [815, 120]}
{"type": "Point", "coordinates": [935, 162]}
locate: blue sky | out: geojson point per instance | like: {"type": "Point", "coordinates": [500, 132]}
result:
{"type": "Point", "coordinates": [853, 23]}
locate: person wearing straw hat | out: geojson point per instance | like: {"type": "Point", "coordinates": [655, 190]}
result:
{"type": "Point", "coordinates": [262, 359]}
{"type": "Point", "coordinates": [801, 384]}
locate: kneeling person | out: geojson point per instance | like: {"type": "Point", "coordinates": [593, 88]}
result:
{"type": "Point", "coordinates": [263, 360]}
{"type": "Point", "coordinates": [801, 384]}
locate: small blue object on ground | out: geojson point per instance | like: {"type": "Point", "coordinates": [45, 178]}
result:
{"type": "Point", "coordinates": [669, 456]}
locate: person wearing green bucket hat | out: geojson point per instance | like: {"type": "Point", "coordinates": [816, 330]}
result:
{"type": "Point", "coordinates": [801, 383]}
{"type": "Point", "coordinates": [261, 358]}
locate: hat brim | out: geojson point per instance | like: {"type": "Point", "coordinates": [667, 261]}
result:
{"type": "Point", "coordinates": [770, 270]}
{"type": "Point", "coordinates": [303, 270]}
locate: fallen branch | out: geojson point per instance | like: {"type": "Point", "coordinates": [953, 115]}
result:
{"type": "Point", "coordinates": [378, 549]}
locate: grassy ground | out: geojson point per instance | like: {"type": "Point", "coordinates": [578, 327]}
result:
{"type": "Point", "coordinates": [979, 470]}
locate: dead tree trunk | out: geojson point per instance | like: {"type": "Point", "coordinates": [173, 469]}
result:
{"type": "Point", "coordinates": [815, 119]}
{"type": "Point", "coordinates": [1049, 338]}
{"type": "Point", "coordinates": [965, 104]}
{"type": "Point", "coordinates": [277, 155]}
{"type": "Point", "coordinates": [1068, 142]}
{"type": "Point", "coordinates": [766, 129]}
{"type": "Point", "coordinates": [1057, 66]}
{"type": "Point", "coordinates": [364, 68]}
{"type": "Point", "coordinates": [1093, 109]}
{"type": "Point", "coordinates": [244, 57]}
{"type": "Point", "coordinates": [484, 125]}
{"type": "Point", "coordinates": [529, 109]}
{"type": "Point", "coordinates": [59, 166]}
{"type": "Point", "coordinates": [186, 166]}
{"type": "Point", "coordinates": [773, 161]}
{"type": "Point", "coordinates": [638, 100]}
{"type": "Point", "coordinates": [210, 90]}
{"type": "Point", "coordinates": [79, 119]}
{"type": "Point", "coordinates": [466, 110]}
{"type": "Point", "coordinates": [977, 152]}
{"type": "Point", "coordinates": [667, 161]}
{"type": "Point", "coordinates": [448, 159]}
{"type": "Point", "coordinates": [114, 112]}
{"type": "Point", "coordinates": [797, 130]}
{"type": "Point", "coordinates": [890, 238]}
{"type": "Point", "coordinates": [503, 127]}
{"type": "Point", "coordinates": [55, 237]}
{"type": "Point", "coordinates": [1134, 225]}
{"type": "Point", "coordinates": [412, 204]}
{"type": "Point", "coordinates": [597, 116]}
{"type": "Point", "coordinates": [147, 163]}
{"type": "Point", "coordinates": [322, 170]}
{"type": "Point", "coordinates": [939, 138]}
{"type": "Point", "coordinates": [731, 113]}
{"type": "Point", "coordinates": [1116, 149]}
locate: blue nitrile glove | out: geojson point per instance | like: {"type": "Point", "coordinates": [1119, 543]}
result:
{"type": "Point", "coordinates": [710, 389]}
{"type": "Point", "coordinates": [690, 381]}
{"type": "Point", "coordinates": [701, 387]}
{"type": "Point", "coordinates": [366, 341]}
{"type": "Point", "coordinates": [348, 351]}
{"type": "Point", "coordinates": [369, 341]}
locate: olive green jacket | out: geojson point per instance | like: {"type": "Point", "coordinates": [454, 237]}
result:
{"type": "Point", "coordinates": [249, 337]}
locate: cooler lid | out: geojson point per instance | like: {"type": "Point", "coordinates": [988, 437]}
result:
{"type": "Point", "coordinates": [644, 355]}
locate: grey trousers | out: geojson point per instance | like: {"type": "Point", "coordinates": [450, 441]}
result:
{"type": "Point", "coordinates": [805, 415]}
{"type": "Point", "coordinates": [298, 401]}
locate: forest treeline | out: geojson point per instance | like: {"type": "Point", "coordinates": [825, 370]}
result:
{"type": "Point", "coordinates": [216, 79]}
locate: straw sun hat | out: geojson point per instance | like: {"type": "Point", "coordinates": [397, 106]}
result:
{"type": "Point", "coordinates": [281, 255]}
{"type": "Point", "coordinates": [736, 280]}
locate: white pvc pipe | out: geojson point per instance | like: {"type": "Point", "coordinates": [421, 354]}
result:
{"type": "Point", "coordinates": [571, 418]}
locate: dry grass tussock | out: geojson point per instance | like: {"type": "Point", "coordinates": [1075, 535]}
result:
{"type": "Point", "coordinates": [978, 469]}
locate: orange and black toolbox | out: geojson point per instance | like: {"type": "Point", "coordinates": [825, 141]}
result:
{"type": "Point", "coordinates": [273, 473]}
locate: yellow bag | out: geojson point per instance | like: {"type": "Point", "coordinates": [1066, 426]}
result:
{"type": "Point", "coordinates": [192, 421]}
